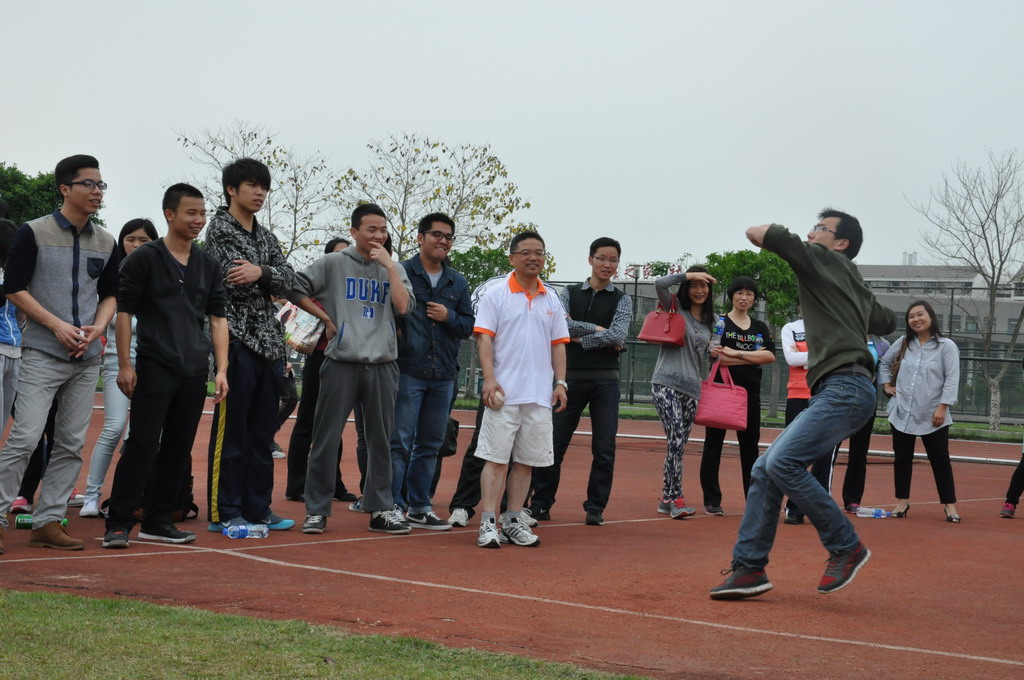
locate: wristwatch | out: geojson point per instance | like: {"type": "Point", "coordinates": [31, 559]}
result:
{"type": "Point", "coordinates": [562, 383]}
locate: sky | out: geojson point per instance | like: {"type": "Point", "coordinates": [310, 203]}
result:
{"type": "Point", "coordinates": [671, 126]}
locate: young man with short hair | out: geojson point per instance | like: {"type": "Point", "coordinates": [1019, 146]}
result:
{"type": "Point", "coordinates": [428, 360]}
{"type": "Point", "coordinates": [170, 285]}
{"type": "Point", "coordinates": [598, 316]}
{"type": "Point", "coordinates": [521, 335]}
{"type": "Point", "coordinates": [62, 274]}
{"type": "Point", "coordinates": [362, 291]}
{"type": "Point", "coordinates": [839, 311]}
{"type": "Point", "coordinates": [241, 470]}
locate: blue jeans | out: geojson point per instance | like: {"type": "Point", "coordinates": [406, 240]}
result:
{"type": "Point", "coordinates": [421, 420]}
{"type": "Point", "coordinates": [115, 417]}
{"type": "Point", "coordinates": [838, 409]}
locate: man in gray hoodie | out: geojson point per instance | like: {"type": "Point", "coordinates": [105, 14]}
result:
{"type": "Point", "coordinates": [362, 290]}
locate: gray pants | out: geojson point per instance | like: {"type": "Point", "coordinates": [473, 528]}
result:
{"type": "Point", "coordinates": [44, 377]}
{"type": "Point", "coordinates": [342, 386]}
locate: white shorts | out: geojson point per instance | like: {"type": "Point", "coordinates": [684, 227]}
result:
{"type": "Point", "coordinates": [518, 432]}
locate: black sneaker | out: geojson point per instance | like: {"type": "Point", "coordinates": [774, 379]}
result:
{"type": "Point", "coordinates": [389, 522]}
{"type": "Point", "coordinates": [166, 533]}
{"type": "Point", "coordinates": [540, 514]}
{"type": "Point", "coordinates": [115, 538]}
{"type": "Point", "coordinates": [842, 567]}
{"type": "Point", "coordinates": [793, 518]}
{"type": "Point", "coordinates": [741, 582]}
{"type": "Point", "coordinates": [427, 520]}
{"type": "Point", "coordinates": [345, 496]}
{"type": "Point", "coordinates": [594, 518]}
{"type": "Point", "coordinates": [314, 524]}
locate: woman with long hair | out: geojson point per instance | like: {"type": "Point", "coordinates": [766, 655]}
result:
{"type": "Point", "coordinates": [115, 405]}
{"type": "Point", "coordinates": [921, 374]}
{"type": "Point", "coordinates": [675, 384]}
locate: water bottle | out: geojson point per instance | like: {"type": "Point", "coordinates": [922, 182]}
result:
{"type": "Point", "coordinates": [716, 335]}
{"type": "Point", "coordinates": [247, 531]}
{"type": "Point", "coordinates": [25, 522]}
{"type": "Point", "coordinates": [759, 342]}
{"type": "Point", "coordinates": [873, 512]}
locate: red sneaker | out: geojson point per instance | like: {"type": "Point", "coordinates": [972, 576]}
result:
{"type": "Point", "coordinates": [842, 567]}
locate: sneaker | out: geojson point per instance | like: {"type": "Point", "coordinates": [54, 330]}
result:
{"type": "Point", "coordinates": [301, 498]}
{"type": "Point", "coordinates": [851, 508]}
{"type": "Point", "coordinates": [276, 522]}
{"type": "Point", "coordinates": [459, 518]}
{"type": "Point", "coordinates": [166, 533]}
{"type": "Point", "coordinates": [116, 538]}
{"type": "Point", "coordinates": [524, 516]}
{"type": "Point", "coordinates": [680, 510]}
{"type": "Point", "coordinates": [314, 524]}
{"type": "Point", "coordinates": [793, 518]}
{"type": "Point", "coordinates": [594, 518]}
{"type": "Point", "coordinates": [219, 527]}
{"type": "Point", "coordinates": [53, 535]}
{"type": "Point", "coordinates": [1007, 511]}
{"type": "Point", "coordinates": [518, 533]}
{"type": "Point", "coordinates": [389, 522]}
{"type": "Point", "coordinates": [345, 496]}
{"type": "Point", "coordinates": [488, 536]}
{"type": "Point", "coordinates": [841, 567]}
{"type": "Point", "coordinates": [741, 582]}
{"type": "Point", "coordinates": [91, 507]}
{"type": "Point", "coordinates": [664, 506]}
{"type": "Point", "coordinates": [713, 510]}
{"type": "Point", "coordinates": [427, 520]}
{"type": "Point", "coordinates": [21, 506]}
{"type": "Point", "coordinates": [75, 499]}
{"type": "Point", "coordinates": [356, 505]}
{"type": "Point", "coordinates": [276, 452]}
{"type": "Point", "coordinates": [538, 514]}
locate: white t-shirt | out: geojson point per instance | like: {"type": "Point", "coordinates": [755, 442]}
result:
{"type": "Point", "coordinates": [524, 330]}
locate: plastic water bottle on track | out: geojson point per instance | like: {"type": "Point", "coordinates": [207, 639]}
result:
{"type": "Point", "coordinates": [716, 334]}
{"type": "Point", "coordinates": [247, 531]}
{"type": "Point", "coordinates": [873, 512]}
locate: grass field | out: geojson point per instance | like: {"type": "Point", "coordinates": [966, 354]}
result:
{"type": "Point", "coordinates": [61, 636]}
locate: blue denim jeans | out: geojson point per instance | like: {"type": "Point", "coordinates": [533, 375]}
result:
{"type": "Point", "coordinates": [115, 417]}
{"type": "Point", "coordinates": [838, 409]}
{"type": "Point", "coordinates": [421, 420]}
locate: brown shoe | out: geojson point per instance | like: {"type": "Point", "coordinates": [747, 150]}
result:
{"type": "Point", "coordinates": [3, 540]}
{"type": "Point", "coordinates": [53, 535]}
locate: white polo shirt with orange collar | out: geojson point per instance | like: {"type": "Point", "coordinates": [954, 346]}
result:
{"type": "Point", "coordinates": [524, 329]}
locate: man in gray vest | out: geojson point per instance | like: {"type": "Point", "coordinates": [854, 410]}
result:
{"type": "Point", "coordinates": [598, 315]}
{"type": "Point", "coordinates": [62, 273]}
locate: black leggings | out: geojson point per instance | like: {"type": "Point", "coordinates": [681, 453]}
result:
{"type": "Point", "coordinates": [711, 458]}
{"type": "Point", "coordinates": [1016, 483]}
{"type": "Point", "coordinates": [936, 445]}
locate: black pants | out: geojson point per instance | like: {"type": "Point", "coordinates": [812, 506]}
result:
{"type": "Point", "coordinates": [302, 431]}
{"type": "Point", "coordinates": [240, 476]}
{"type": "Point", "coordinates": [821, 470]}
{"type": "Point", "coordinates": [287, 400]}
{"type": "Point", "coordinates": [467, 491]}
{"type": "Point", "coordinates": [158, 453]}
{"type": "Point", "coordinates": [1016, 483]}
{"type": "Point", "coordinates": [936, 445]}
{"type": "Point", "coordinates": [857, 464]}
{"type": "Point", "coordinates": [711, 458]}
{"type": "Point", "coordinates": [603, 398]}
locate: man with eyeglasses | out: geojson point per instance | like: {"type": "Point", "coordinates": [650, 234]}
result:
{"type": "Point", "coordinates": [521, 336]}
{"type": "Point", "coordinates": [428, 360]}
{"type": "Point", "coordinates": [62, 273]}
{"type": "Point", "coordinates": [362, 292]}
{"type": "Point", "coordinates": [598, 316]}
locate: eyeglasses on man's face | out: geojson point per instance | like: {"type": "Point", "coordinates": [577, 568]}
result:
{"type": "Point", "coordinates": [531, 253]}
{"type": "Point", "coordinates": [438, 235]}
{"type": "Point", "coordinates": [818, 228]}
{"type": "Point", "coordinates": [613, 261]}
{"type": "Point", "coordinates": [90, 184]}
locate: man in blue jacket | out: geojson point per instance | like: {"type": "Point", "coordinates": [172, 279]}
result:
{"type": "Point", "coordinates": [428, 355]}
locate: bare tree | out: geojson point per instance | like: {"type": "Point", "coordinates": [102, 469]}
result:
{"type": "Point", "coordinates": [411, 175]}
{"type": "Point", "coordinates": [978, 220]}
{"type": "Point", "coordinates": [302, 186]}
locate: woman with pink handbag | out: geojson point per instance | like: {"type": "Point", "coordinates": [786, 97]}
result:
{"type": "Point", "coordinates": [746, 346]}
{"type": "Point", "coordinates": [675, 384]}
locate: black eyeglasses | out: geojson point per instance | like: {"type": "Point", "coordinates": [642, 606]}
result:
{"type": "Point", "coordinates": [441, 235]}
{"type": "Point", "coordinates": [90, 185]}
{"type": "Point", "coordinates": [821, 227]}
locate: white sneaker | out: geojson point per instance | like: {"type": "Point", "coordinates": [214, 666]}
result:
{"type": "Point", "coordinates": [519, 534]}
{"type": "Point", "coordinates": [527, 518]}
{"type": "Point", "coordinates": [488, 537]}
{"type": "Point", "coordinates": [91, 507]}
{"type": "Point", "coordinates": [459, 518]}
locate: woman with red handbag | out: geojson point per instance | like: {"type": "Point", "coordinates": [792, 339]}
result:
{"type": "Point", "coordinates": [675, 384]}
{"type": "Point", "coordinates": [746, 345]}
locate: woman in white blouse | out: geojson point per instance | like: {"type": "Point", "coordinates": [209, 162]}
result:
{"type": "Point", "coordinates": [921, 372]}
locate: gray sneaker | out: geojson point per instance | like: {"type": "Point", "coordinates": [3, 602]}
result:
{"type": "Point", "coordinates": [664, 507]}
{"type": "Point", "coordinates": [680, 510]}
{"type": "Point", "coordinates": [518, 533]}
{"type": "Point", "coordinates": [314, 524]}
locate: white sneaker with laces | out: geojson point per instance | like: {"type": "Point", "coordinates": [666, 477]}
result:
{"type": "Point", "coordinates": [527, 518]}
{"type": "Point", "coordinates": [488, 537]}
{"type": "Point", "coordinates": [459, 518]}
{"type": "Point", "coordinates": [91, 507]}
{"type": "Point", "coordinates": [520, 534]}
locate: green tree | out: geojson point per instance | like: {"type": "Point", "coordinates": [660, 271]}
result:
{"type": "Point", "coordinates": [412, 175]}
{"type": "Point", "coordinates": [478, 264]}
{"type": "Point", "coordinates": [27, 197]}
{"type": "Point", "coordinates": [775, 280]}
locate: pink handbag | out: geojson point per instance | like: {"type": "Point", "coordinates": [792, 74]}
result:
{"type": "Point", "coordinates": [664, 328]}
{"type": "Point", "coordinates": [722, 405]}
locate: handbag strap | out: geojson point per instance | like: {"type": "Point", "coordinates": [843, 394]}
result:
{"type": "Point", "coordinates": [723, 370]}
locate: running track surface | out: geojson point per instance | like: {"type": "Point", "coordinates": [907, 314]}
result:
{"type": "Point", "coordinates": [937, 600]}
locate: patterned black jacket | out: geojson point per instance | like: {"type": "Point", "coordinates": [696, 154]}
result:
{"type": "Point", "coordinates": [250, 310]}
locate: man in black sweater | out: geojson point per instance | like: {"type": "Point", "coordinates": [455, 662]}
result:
{"type": "Point", "coordinates": [170, 284]}
{"type": "Point", "coordinates": [598, 315]}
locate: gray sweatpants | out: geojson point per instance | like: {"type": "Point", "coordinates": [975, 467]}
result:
{"type": "Point", "coordinates": [44, 377]}
{"type": "Point", "coordinates": [342, 386]}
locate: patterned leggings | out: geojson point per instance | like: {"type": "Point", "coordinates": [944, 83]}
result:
{"type": "Point", "coordinates": [677, 412]}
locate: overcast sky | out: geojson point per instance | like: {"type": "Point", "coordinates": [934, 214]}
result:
{"type": "Point", "coordinates": [671, 126]}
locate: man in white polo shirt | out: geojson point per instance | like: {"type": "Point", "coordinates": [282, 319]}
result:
{"type": "Point", "coordinates": [521, 334]}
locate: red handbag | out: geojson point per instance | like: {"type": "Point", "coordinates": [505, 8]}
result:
{"type": "Point", "coordinates": [722, 405]}
{"type": "Point", "coordinates": [664, 328]}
